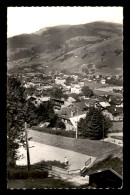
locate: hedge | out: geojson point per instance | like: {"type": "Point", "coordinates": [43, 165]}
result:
{"type": "Point", "coordinates": [55, 132]}
{"type": "Point", "coordinates": [24, 174]}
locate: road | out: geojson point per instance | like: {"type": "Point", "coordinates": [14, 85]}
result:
{"type": "Point", "coordinates": [115, 134]}
{"type": "Point", "coordinates": [113, 140]}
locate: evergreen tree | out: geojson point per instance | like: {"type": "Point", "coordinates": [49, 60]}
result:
{"type": "Point", "coordinates": [95, 125]}
{"type": "Point", "coordinates": [87, 91]}
{"type": "Point", "coordinates": [31, 115]}
{"type": "Point", "coordinates": [16, 114]}
{"type": "Point", "coordinates": [57, 93]}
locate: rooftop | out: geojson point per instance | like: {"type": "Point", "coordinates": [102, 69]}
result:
{"type": "Point", "coordinates": [104, 104]}
{"type": "Point", "coordinates": [76, 119]}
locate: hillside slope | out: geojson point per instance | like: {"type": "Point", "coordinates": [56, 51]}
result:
{"type": "Point", "coordinates": [68, 47]}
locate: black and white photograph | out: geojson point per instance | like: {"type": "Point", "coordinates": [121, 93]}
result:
{"type": "Point", "coordinates": [65, 97]}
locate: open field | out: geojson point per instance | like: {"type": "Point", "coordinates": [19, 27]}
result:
{"type": "Point", "coordinates": [109, 88]}
{"type": "Point", "coordinates": [94, 148]}
{"type": "Point", "coordinates": [95, 85]}
{"type": "Point", "coordinates": [102, 92]}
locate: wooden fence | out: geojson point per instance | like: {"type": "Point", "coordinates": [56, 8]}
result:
{"type": "Point", "coordinates": [88, 162]}
{"type": "Point", "coordinates": [77, 171]}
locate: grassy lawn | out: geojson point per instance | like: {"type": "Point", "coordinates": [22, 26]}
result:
{"type": "Point", "coordinates": [117, 126]}
{"type": "Point", "coordinates": [100, 92]}
{"type": "Point", "coordinates": [94, 148]}
{"type": "Point", "coordinates": [41, 184]}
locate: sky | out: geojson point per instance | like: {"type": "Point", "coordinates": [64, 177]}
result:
{"type": "Point", "coordinates": [31, 19]}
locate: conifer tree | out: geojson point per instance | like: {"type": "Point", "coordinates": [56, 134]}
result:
{"type": "Point", "coordinates": [16, 114]}
{"type": "Point", "coordinates": [95, 125]}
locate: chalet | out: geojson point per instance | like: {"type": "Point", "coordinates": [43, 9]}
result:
{"type": "Point", "coordinates": [102, 105]}
{"type": "Point", "coordinates": [76, 119]}
{"type": "Point", "coordinates": [67, 122]}
{"type": "Point", "coordinates": [76, 89]}
{"type": "Point", "coordinates": [33, 100]}
{"type": "Point", "coordinates": [117, 113]}
{"type": "Point", "coordinates": [119, 105]}
{"type": "Point", "coordinates": [71, 99]}
{"type": "Point", "coordinates": [66, 104]}
{"type": "Point", "coordinates": [44, 99]}
{"type": "Point", "coordinates": [29, 84]}
{"type": "Point", "coordinates": [105, 178]}
{"type": "Point", "coordinates": [66, 88]}
{"type": "Point", "coordinates": [70, 115]}
{"type": "Point", "coordinates": [75, 77]}
{"type": "Point", "coordinates": [60, 81]}
{"type": "Point", "coordinates": [91, 102]}
{"type": "Point", "coordinates": [81, 106]}
{"type": "Point", "coordinates": [47, 87]}
{"type": "Point", "coordinates": [103, 81]}
{"type": "Point", "coordinates": [38, 100]}
{"type": "Point", "coordinates": [57, 103]}
{"type": "Point", "coordinates": [46, 124]}
{"type": "Point", "coordinates": [65, 76]}
{"type": "Point", "coordinates": [81, 83]}
{"type": "Point", "coordinates": [108, 77]}
{"type": "Point", "coordinates": [97, 77]}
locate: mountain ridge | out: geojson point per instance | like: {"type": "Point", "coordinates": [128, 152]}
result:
{"type": "Point", "coordinates": [48, 45]}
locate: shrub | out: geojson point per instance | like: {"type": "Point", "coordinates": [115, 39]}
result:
{"type": "Point", "coordinates": [24, 174]}
{"type": "Point", "coordinates": [52, 163]}
{"type": "Point", "coordinates": [37, 174]}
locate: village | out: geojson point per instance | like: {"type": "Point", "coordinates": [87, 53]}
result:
{"type": "Point", "coordinates": [67, 99]}
{"type": "Point", "coordinates": [65, 103]}
{"type": "Point", "coordinates": [74, 95]}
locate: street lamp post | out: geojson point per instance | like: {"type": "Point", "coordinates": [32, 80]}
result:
{"type": "Point", "coordinates": [77, 125]}
{"type": "Point", "coordinates": [103, 129]}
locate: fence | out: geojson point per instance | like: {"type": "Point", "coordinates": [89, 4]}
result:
{"type": "Point", "coordinates": [88, 162]}
{"type": "Point", "coordinates": [77, 171]}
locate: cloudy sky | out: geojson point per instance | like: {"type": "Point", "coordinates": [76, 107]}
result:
{"type": "Point", "coordinates": [30, 19]}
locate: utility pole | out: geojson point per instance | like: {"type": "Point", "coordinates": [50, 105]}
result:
{"type": "Point", "coordinates": [103, 129]}
{"type": "Point", "coordinates": [27, 147]}
{"type": "Point", "coordinates": [77, 124]}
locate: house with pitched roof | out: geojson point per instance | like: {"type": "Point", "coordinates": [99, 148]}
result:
{"type": "Point", "coordinates": [71, 115]}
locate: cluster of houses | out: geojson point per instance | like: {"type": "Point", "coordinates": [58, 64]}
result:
{"type": "Point", "coordinates": [69, 110]}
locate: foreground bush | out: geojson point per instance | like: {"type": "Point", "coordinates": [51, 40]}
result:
{"type": "Point", "coordinates": [52, 163]}
{"type": "Point", "coordinates": [24, 174]}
